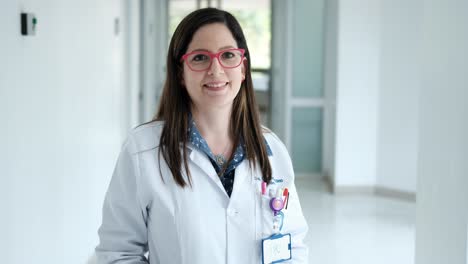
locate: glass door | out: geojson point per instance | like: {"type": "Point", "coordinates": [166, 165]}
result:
{"type": "Point", "coordinates": [298, 93]}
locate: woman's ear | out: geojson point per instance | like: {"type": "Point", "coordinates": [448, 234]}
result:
{"type": "Point", "coordinates": [244, 68]}
{"type": "Point", "coordinates": [182, 81]}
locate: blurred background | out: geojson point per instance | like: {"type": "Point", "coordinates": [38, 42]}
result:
{"type": "Point", "coordinates": [369, 96]}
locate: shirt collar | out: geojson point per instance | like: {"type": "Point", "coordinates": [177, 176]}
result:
{"type": "Point", "coordinates": [199, 142]}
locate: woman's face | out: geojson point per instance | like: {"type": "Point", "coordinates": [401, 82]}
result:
{"type": "Point", "coordinates": [217, 86]}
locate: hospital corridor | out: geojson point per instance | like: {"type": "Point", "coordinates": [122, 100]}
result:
{"type": "Point", "coordinates": [367, 102]}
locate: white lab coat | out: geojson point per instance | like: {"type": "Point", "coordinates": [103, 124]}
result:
{"type": "Point", "coordinates": [146, 212]}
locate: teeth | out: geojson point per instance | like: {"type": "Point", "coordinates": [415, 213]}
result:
{"type": "Point", "coordinates": [215, 85]}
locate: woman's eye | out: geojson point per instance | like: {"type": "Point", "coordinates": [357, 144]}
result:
{"type": "Point", "coordinates": [200, 57]}
{"type": "Point", "coordinates": [228, 55]}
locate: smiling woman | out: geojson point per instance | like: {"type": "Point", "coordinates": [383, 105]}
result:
{"type": "Point", "coordinates": [186, 187]}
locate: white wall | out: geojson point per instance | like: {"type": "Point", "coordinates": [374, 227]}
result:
{"type": "Point", "coordinates": [133, 64]}
{"type": "Point", "coordinates": [442, 205]}
{"type": "Point", "coordinates": [357, 92]}
{"type": "Point", "coordinates": [398, 96]}
{"type": "Point", "coordinates": [61, 106]}
{"type": "Point", "coordinates": [377, 91]}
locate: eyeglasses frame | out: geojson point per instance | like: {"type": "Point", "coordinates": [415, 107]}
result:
{"type": "Point", "coordinates": [212, 57]}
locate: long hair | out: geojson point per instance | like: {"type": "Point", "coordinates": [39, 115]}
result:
{"type": "Point", "coordinates": [175, 103]}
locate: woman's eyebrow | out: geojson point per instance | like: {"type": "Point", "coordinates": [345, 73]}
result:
{"type": "Point", "coordinates": [227, 47]}
{"type": "Point", "coordinates": [222, 48]}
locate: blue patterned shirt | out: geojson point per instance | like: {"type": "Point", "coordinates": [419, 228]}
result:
{"type": "Point", "coordinates": [227, 179]}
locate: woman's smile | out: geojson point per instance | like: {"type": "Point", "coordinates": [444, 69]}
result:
{"type": "Point", "coordinates": [216, 86]}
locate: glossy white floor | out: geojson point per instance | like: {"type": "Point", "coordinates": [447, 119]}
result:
{"type": "Point", "coordinates": [356, 229]}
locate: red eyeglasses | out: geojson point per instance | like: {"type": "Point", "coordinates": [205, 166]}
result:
{"type": "Point", "coordinates": [201, 60]}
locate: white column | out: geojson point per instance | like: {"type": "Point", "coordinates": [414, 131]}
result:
{"type": "Point", "coordinates": [442, 192]}
{"type": "Point", "coordinates": [357, 92]}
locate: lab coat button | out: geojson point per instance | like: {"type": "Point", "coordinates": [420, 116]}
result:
{"type": "Point", "coordinates": [232, 212]}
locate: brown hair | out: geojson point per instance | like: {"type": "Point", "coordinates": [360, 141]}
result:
{"type": "Point", "coordinates": [174, 107]}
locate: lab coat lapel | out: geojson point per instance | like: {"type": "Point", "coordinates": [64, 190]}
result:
{"type": "Point", "coordinates": [243, 172]}
{"type": "Point", "coordinates": [201, 160]}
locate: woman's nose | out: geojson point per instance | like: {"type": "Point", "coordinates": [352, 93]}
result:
{"type": "Point", "coordinates": [215, 67]}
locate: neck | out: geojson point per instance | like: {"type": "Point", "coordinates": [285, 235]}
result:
{"type": "Point", "coordinates": [214, 127]}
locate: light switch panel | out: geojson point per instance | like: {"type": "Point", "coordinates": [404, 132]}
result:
{"type": "Point", "coordinates": [28, 24]}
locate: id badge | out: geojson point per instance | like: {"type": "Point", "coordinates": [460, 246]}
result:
{"type": "Point", "coordinates": [276, 248]}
